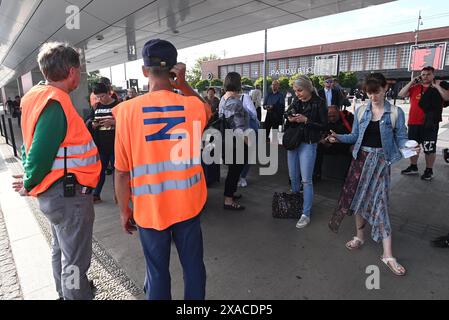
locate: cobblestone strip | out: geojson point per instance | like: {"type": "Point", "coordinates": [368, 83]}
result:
{"type": "Point", "coordinates": [9, 282]}
{"type": "Point", "coordinates": [111, 280]}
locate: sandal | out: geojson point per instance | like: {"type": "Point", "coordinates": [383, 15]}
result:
{"type": "Point", "coordinates": [394, 266]}
{"type": "Point", "coordinates": [234, 206]}
{"type": "Point", "coordinates": [354, 244]}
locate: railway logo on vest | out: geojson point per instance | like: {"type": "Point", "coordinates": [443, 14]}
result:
{"type": "Point", "coordinates": [171, 122]}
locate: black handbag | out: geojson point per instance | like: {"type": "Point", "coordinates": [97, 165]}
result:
{"type": "Point", "coordinates": [287, 205]}
{"type": "Point", "coordinates": [292, 137]}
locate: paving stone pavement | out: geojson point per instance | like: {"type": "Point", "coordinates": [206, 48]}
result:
{"type": "Point", "coordinates": [9, 282]}
{"type": "Point", "coordinates": [110, 279]}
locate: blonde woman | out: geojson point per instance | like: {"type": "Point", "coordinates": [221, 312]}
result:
{"type": "Point", "coordinates": [306, 118]}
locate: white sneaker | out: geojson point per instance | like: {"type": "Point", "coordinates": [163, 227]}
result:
{"type": "Point", "coordinates": [243, 183]}
{"type": "Point", "coordinates": [303, 221]}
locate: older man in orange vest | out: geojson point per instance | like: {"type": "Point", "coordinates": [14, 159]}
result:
{"type": "Point", "coordinates": [167, 193]}
{"type": "Point", "coordinates": [62, 167]}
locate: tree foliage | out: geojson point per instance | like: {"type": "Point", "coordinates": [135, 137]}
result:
{"type": "Point", "coordinates": [247, 81]}
{"type": "Point", "coordinates": [202, 85]}
{"type": "Point", "coordinates": [193, 75]}
{"type": "Point", "coordinates": [348, 79]}
{"type": "Point", "coordinates": [216, 83]}
{"type": "Point", "coordinates": [284, 84]}
{"type": "Point", "coordinates": [93, 78]}
{"type": "Point", "coordinates": [259, 82]}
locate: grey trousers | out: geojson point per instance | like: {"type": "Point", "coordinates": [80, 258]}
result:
{"type": "Point", "coordinates": [72, 222]}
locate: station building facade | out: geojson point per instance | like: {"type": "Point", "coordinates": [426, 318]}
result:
{"type": "Point", "coordinates": [388, 54]}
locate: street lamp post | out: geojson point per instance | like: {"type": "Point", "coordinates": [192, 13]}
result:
{"type": "Point", "coordinates": [420, 23]}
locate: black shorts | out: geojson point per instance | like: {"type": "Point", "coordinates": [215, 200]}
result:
{"type": "Point", "coordinates": [426, 136]}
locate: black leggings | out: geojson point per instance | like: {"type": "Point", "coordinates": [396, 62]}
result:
{"type": "Point", "coordinates": [232, 179]}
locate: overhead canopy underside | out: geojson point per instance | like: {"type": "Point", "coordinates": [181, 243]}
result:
{"type": "Point", "coordinates": [109, 27]}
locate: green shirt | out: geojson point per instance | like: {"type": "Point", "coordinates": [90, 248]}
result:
{"type": "Point", "coordinates": [50, 132]}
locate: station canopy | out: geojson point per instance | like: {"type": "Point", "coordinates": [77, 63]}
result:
{"type": "Point", "coordinates": [114, 31]}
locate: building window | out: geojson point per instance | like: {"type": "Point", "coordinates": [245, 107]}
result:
{"type": "Point", "coordinates": [311, 62]}
{"type": "Point", "coordinates": [255, 72]}
{"type": "Point", "coordinates": [223, 72]}
{"type": "Point", "coordinates": [293, 63]}
{"type": "Point", "coordinates": [405, 57]}
{"type": "Point", "coordinates": [357, 60]}
{"type": "Point", "coordinates": [231, 68]}
{"type": "Point", "coordinates": [343, 67]}
{"type": "Point", "coordinates": [390, 58]}
{"type": "Point", "coordinates": [272, 68]}
{"type": "Point", "coordinates": [306, 64]}
{"type": "Point", "coordinates": [239, 69]}
{"type": "Point", "coordinates": [447, 54]}
{"type": "Point", "coordinates": [245, 72]}
{"type": "Point", "coordinates": [372, 59]}
{"type": "Point", "coordinates": [282, 64]}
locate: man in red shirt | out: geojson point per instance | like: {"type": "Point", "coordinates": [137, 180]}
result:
{"type": "Point", "coordinates": [426, 102]}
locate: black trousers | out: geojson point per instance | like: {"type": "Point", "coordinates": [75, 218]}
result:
{"type": "Point", "coordinates": [232, 179]}
{"type": "Point", "coordinates": [271, 121]}
{"type": "Point", "coordinates": [259, 113]}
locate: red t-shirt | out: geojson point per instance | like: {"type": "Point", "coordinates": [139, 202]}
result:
{"type": "Point", "coordinates": [416, 114]}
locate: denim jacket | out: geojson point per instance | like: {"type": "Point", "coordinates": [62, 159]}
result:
{"type": "Point", "coordinates": [392, 139]}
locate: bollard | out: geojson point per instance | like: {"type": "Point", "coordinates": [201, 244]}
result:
{"type": "Point", "coordinates": [4, 126]}
{"type": "Point", "coordinates": [13, 140]}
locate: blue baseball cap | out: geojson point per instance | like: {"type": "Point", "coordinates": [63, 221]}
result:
{"type": "Point", "coordinates": [159, 53]}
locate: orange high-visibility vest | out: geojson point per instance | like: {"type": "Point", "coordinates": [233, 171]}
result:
{"type": "Point", "coordinates": [167, 186]}
{"type": "Point", "coordinates": [82, 153]}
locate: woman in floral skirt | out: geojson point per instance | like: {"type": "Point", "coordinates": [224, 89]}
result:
{"type": "Point", "coordinates": [378, 133]}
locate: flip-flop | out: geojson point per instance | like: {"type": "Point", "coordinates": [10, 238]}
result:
{"type": "Point", "coordinates": [393, 265]}
{"type": "Point", "coordinates": [354, 244]}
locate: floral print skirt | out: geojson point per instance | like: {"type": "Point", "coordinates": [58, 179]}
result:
{"type": "Point", "coordinates": [366, 193]}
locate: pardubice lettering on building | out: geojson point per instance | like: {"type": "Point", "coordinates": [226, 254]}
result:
{"type": "Point", "coordinates": [291, 71]}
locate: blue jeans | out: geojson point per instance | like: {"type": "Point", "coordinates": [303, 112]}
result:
{"type": "Point", "coordinates": [156, 248]}
{"type": "Point", "coordinates": [106, 159]}
{"type": "Point", "coordinates": [300, 166]}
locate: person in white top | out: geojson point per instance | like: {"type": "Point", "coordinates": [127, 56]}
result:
{"type": "Point", "coordinates": [256, 97]}
{"type": "Point", "coordinates": [253, 125]}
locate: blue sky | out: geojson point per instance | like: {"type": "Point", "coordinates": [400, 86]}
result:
{"type": "Point", "coordinates": [395, 17]}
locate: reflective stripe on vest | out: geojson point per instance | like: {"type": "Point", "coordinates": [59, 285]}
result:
{"type": "Point", "coordinates": [75, 162]}
{"type": "Point", "coordinates": [159, 167]}
{"type": "Point", "coordinates": [166, 185]}
{"type": "Point", "coordinates": [76, 150]}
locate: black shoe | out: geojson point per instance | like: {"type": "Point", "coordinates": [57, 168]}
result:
{"type": "Point", "coordinates": [93, 287]}
{"type": "Point", "coordinates": [235, 207]}
{"type": "Point", "coordinates": [428, 175]}
{"type": "Point", "coordinates": [446, 155]}
{"type": "Point", "coordinates": [441, 242]}
{"type": "Point", "coordinates": [411, 170]}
